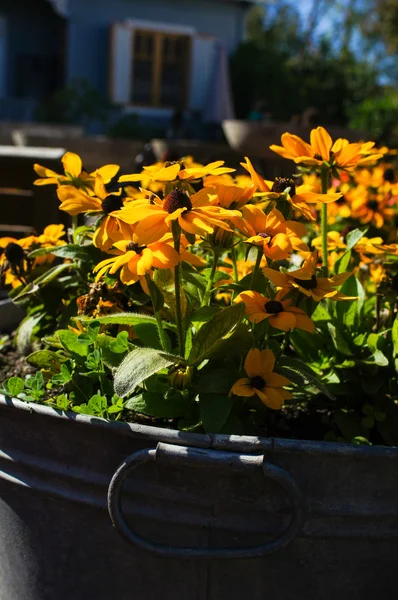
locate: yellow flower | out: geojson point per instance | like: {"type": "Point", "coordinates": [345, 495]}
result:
{"type": "Point", "coordinates": [13, 260]}
{"type": "Point", "coordinates": [280, 313]}
{"type": "Point", "coordinates": [335, 242]}
{"type": "Point", "coordinates": [284, 187]}
{"type": "Point", "coordinates": [261, 380]}
{"type": "Point", "coordinates": [74, 173]}
{"type": "Point", "coordinates": [231, 196]}
{"type": "Point", "coordinates": [366, 207]}
{"type": "Point", "coordinates": [136, 259]}
{"type": "Point", "coordinates": [278, 237]}
{"type": "Point", "coordinates": [75, 201]}
{"type": "Point", "coordinates": [307, 282]}
{"type": "Point", "coordinates": [166, 172]}
{"type": "Point", "coordinates": [369, 246]}
{"type": "Point", "coordinates": [340, 154]}
{"type": "Point", "coordinates": [194, 214]}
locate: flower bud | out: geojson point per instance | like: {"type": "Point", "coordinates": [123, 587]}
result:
{"type": "Point", "coordinates": [180, 376]}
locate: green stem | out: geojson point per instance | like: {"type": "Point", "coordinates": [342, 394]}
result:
{"type": "Point", "coordinates": [162, 334]}
{"type": "Point", "coordinates": [75, 224]}
{"type": "Point", "coordinates": [206, 297]}
{"type": "Point", "coordinates": [234, 265]}
{"type": "Point", "coordinates": [324, 220]}
{"type": "Point", "coordinates": [256, 266]}
{"type": "Point", "coordinates": [176, 230]}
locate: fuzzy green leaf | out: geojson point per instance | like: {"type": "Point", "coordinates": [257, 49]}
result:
{"type": "Point", "coordinates": [300, 373]}
{"type": "Point", "coordinates": [130, 319]}
{"type": "Point", "coordinates": [214, 410]}
{"type": "Point", "coordinates": [138, 366]}
{"type": "Point", "coordinates": [213, 334]}
{"type": "Point", "coordinates": [156, 405]}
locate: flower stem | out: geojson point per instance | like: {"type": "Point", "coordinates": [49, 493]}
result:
{"type": "Point", "coordinates": [162, 334]}
{"type": "Point", "coordinates": [324, 220]}
{"type": "Point", "coordinates": [206, 297]}
{"type": "Point", "coordinates": [75, 223]}
{"type": "Point", "coordinates": [234, 265]}
{"type": "Point", "coordinates": [176, 230]}
{"type": "Point", "coordinates": [256, 266]}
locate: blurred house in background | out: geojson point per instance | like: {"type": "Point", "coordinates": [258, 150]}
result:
{"type": "Point", "coordinates": [149, 57]}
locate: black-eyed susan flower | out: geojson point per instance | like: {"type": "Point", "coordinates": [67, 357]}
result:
{"type": "Point", "coordinates": [306, 281]}
{"type": "Point", "coordinates": [172, 171]}
{"type": "Point", "coordinates": [135, 260]}
{"type": "Point", "coordinates": [74, 173]}
{"type": "Point", "coordinates": [277, 237]}
{"type": "Point", "coordinates": [340, 154]}
{"type": "Point", "coordinates": [110, 229]}
{"type": "Point", "coordinates": [14, 262]}
{"type": "Point", "coordinates": [280, 313]}
{"type": "Point", "coordinates": [285, 188]}
{"type": "Point", "coordinates": [367, 207]}
{"type": "Point", "coordinates": [261, 380]}
{"type": "Point", "coordinates": [335, 242]}
{"type": "Point", "coordinates": [195, 215]}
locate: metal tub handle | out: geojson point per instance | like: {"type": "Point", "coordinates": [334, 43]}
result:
{"type": "Point", "coordinates": [166, 454]}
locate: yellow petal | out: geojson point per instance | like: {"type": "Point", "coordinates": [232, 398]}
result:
{"type": "Point", "coordinates": [72, 164]}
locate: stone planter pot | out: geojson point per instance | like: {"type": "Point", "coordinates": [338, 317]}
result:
{"type": "Point", "coordinates": [195, 517]}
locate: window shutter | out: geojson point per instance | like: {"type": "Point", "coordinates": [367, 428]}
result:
{"type": "Point", "coordinates": [121, 63]}
{"type": "Point", "coordinates": [202, 64]}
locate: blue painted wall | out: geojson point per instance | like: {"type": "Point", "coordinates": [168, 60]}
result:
{"type": "Point", "coordinates": [90, 20]}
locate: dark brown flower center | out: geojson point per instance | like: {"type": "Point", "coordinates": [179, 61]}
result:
{"type": "Point", "coordinates": [307, 284]}
{"type": "Point", "coordinates": [389, 175]}
{"type": "Point", "coordinates": [258, 382]}
{"type": "Point", "coordinates": [282, 183]}
{"type": "Point", "coordinates": [175, 200]}
{"type": "Point", "coordinates": [264, 234]}
{"type": "Point", "coordinates": [14, 253]}
{"type": "Point", "coordinates": [273, 307]}
{"type": "Point", "coordinates": [372, 204]}
{"type": "Point", "coordinates": [111, 203]}
{"type": "Point", "coordinates": [132, 246]}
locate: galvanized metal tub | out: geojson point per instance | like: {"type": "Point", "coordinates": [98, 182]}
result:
{"type": "Point", "coordinates": [196, 517]}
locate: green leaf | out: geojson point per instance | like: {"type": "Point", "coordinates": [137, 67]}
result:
{"type": "Point", "coordinates": [70, 251]}
{"type": "Point", "coordinates": [25, 332]}
{"type": "Point", "coordinates": [138, 366]}
{"type": "Point", "coordinates": [46, 359]}
{"type": "Point", "coordinates": [156, 295]}
{"type": "Point", "coordinates": [300, 373]}
{"type": "Point", "coordinates": [35, 382]}
{"type": "Point", "coordinates": [148, 334]}
{"type": "Point", "coordinates": [113, 349]}
{"type": "Point", "coordinates": [156, 405]}
{"type": "Point", "coordinates": [70, 341]}
{"type": "Point", "coordinates": [338, 340]}
{"type": "Point", "coordinates": [217, 382]}
{"type": "Point", "coordinates": [350, 311]}
{"type": "Point", "coordinates": [130, 319]}
{"type": "Point", "coordinates": [354, 236]}
{"type": "Point", "coordinates": [214, 411]}
{"type": "Point", "coordinates": [204, 314]}
{"type": "Point", "coordinates": [212, 335]}
{"type": "Point", "coordinates": [395, 336]}
{"type": "Point", "coordinates": [188, 342]}
{"type": "Point", "coordinates": [43, 280]}
{"type": "Point", "coordinates": [14, 385]}
{"type": "Point", "coordinates": [341, 265]}
{"type": "Point", "coordinates": [380, 359]}
{"type": "Point", "coordinates": [320, 314]}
